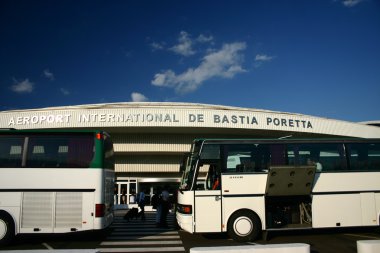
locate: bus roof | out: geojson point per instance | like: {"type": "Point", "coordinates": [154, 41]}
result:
{"type": "Point", "coordinates": [20, 131]}
{"type": "Point", "coordinates": [283, 140]}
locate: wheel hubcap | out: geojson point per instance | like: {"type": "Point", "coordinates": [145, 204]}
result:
{"type": "Point", "coordinates": [243, 226]}
{"type": "Point", "coordinates": [3, 229]}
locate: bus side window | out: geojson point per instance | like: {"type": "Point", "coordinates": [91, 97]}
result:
{"type": "Point", "coordinates": [202, 175]}
{"type": "Point", "coordinates": [63, 150]}
{"type": "Point", "coordinates": [242, 158]}
{"type": "Point", "coordinates": [42, 152]}
{"type": "Point", "coordinates": [262, 158]}
{"type": "Point", "coordinates": [364, 156]}
{"type": "Point", "coordinates": [80, 151]}
{"type": "Point", "coordinates": [374, 157]}
{"type": "Point", "coordinates": [11, 151]}
{"type": "Point", "coordinates": [208, 176]}
{"type": "Point", "coordinates": [278, 156]}
{"type": "Point", "coordinates": [36, 156]}
{"type": "Point", "coordinates": [109, 160]}
{"type": "Point", "coordinates": [332, 157]}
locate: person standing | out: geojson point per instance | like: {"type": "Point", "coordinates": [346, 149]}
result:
{"type": "Point", "coordinates": [141, 203]}
{"type": "Point", "coordinates": [123, 196]}
{"type": "Point", "coordinates": [115, 195]}
{"type": "Point", "coordinates": [165, 204]}
{"type": "Point", "coordinates": [156, 202]}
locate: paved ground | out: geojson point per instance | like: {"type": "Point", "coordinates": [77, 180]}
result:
{"type": "Point", "coordinates": [144, 236]}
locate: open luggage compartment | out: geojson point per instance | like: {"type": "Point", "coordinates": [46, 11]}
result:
{"type": "Point", "coordinates": [288, 197]}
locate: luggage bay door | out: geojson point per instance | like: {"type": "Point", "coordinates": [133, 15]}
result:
{"type": "Point", "coordinates": [288, 197]}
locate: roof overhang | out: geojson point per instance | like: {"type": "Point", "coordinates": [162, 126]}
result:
{"type": "Point", "coordinates": [181, 117]}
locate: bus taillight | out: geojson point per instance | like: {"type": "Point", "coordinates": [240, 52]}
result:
{"type": "Point", "coordinates": [99, 136]}
{"type": "Point", "coordinates": [100, 210]}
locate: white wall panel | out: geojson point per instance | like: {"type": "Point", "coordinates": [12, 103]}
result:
{"type": "Point", "coordinates": [152, 143]}
{"type": "Point", "coordinates": [155, 163]}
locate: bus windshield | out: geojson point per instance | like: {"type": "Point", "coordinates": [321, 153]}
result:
{"type": "Point", "coordinates": [189, 165]}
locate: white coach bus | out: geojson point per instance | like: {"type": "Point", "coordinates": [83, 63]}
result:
{"type": "Point", "coordinates": [244, 187]}
{"type": "Point", "coordinates": [55, 181]}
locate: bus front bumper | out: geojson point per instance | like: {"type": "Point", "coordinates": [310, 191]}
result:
{"type": "Point", "coordinates": [185, 221]}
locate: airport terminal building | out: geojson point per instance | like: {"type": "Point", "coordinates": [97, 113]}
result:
{"type": "Point", "coordinates": [150, 138]}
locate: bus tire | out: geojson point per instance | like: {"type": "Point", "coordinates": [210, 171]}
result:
{"type": "Point", "coordinates": [244, 226]}
{"type": "Point", "coordinates": [7, 228]}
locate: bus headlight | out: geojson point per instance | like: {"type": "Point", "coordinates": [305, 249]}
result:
{"type": "Point", "coordinates": [185, 209]}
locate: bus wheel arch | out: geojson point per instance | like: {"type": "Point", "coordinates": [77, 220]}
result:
{"type": "Point", "coordinates": [7, 228]}
{"type": "Point", "coordinates": [244, 225]}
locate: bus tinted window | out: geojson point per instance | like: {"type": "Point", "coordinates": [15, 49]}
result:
{"type": "Point", "coordinates": [109, 161]}
{"type": "Point", "coordinates": [325, 156]}
{"type": "Point", "coordinates": [364, 156]}
{"type": "Point", "coordinates": [11, 151]}
{"type": "Point", "coordinates": [62, 151]}
{"type": "Point", "coordinates": [210, 152]}
{"type": "Point", "coordinates": [239, 158]}
{"type": "Point", "coordinates": [254, 157]}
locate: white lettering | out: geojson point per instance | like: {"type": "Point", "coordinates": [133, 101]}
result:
{"type": "Point", "coordinates": [19, 121]}
{"type": "Point", "coordinates": [102, 118]}
{"type": "Point", "coordinates": [11, 121]}
{"type": "Point", "coordinates": [40, 119]}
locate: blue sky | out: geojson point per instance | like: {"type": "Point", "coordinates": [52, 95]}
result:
{"type": "Point", "coordinates": [319, 57]}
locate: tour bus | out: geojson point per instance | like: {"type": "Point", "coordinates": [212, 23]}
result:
{"type": "Point", "coordinates": [55, 181]}
{"type": "Point", "coordinates": [244, 187]}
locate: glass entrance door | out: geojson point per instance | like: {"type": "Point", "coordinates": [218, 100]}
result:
{"type": "Point", "coordinates": [126, 192]}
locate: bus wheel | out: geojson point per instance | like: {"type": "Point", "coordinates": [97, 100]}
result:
{"type": "Point", "coordinates": [244, 226]}
{"type": "Point", "coordinates": [6, 228]}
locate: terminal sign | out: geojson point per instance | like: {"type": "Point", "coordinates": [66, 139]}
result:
{"type": "Point", "coordinates": [171, 119]}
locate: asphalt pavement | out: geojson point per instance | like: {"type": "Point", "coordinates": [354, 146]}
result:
{"type": "Point", "coordinates": [143, 236]}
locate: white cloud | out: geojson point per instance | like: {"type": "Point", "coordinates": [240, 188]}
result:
{"type": "Point", "coordinates": [138, 97]}
{"type": "Point", "coordinates": [263, 57]}
{"type": "Point", "coordinates": [22, 86]}
{"type": "Point", "coordinates": [225, 63]}
{"type": "Point", "coordinates": [64, 91]}
{"type": "Point", "coordinates": [203, 38]}
{"type": "Point", "coordinates": [48, 74]}
{"type": "Point", "coordinates": [157, 46]}
{"type": "Point", "coordinates": [184, 47]}
{"type": "Point", "coordinates": [351, 3]}
{"type": "Point", "coordinates": [166, 79]}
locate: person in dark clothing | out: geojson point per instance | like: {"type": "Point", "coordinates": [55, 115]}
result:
{"type": "Point", "coordinates": [165, 205]}
{"type": "Point", "coordinates": [141, 204]}
{"type": "Point", "coordinates": [156, 202]}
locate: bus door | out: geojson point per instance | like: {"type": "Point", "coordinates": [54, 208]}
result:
{"type": "Point", "coordinates": [208, 199]}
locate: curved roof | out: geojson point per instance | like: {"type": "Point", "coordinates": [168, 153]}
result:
{"type": "Point", "coordinates": [371, 123]}
{"type": "Point", "coordinates": [186, 116]}
{"type": "Point", "coordinates": [144, 105]}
